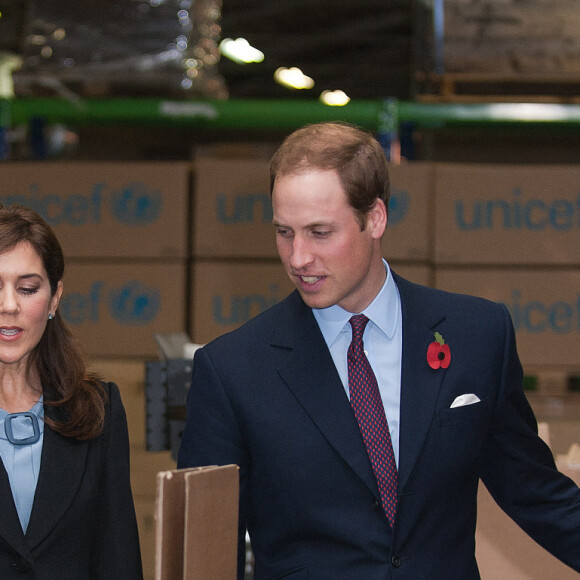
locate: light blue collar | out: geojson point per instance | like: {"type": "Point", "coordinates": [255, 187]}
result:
{"type": "Point", "coordinates": [382, 311]}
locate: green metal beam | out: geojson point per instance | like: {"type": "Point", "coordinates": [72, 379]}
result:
{"type": "Point", "coordinates": [524, 114]}
{"type": "Point", "coordinates": [379, 115]}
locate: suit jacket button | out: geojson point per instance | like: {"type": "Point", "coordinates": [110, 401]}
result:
{"type": "Point", "coordinates": [376, 503]}
{"type": "Point", "coordinates": [396, 561]}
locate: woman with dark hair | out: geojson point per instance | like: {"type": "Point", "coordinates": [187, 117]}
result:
{"type": "Point", "coordinates": [65, 494]}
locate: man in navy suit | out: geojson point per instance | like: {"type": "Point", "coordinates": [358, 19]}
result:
{"type": "Point", "coordinates": [274, 397]}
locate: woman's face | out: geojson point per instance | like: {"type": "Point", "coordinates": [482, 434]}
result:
{"type": "Point", "coordinates": [25, 303]}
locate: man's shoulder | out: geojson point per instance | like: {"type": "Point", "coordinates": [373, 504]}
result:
{"type": "Point", "coordinates": [429, 297]}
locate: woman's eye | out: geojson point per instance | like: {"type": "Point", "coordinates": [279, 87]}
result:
{"type": "Point", "coordinates": [32, 290]}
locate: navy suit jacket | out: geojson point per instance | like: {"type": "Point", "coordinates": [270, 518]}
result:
{"type": "Point", "coordinates": [268, 398]}
{"type": "Point", "coordinates": [82, 525]}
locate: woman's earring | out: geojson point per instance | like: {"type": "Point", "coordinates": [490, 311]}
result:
{"type": "Point", "coordinates": [51, 316]}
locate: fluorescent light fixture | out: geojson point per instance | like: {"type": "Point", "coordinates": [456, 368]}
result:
{"type": "Point", "coordinates": [293, 78]}
{"type": "Point", "coordinates": [240, 51]}
{"type": "Point", "coordinates": [334, 98]}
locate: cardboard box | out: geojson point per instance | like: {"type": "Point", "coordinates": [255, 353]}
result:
{"type": "Point", "coordinates": [120, 210]}
{"type": "Point", "coordinates": [233, 210]}
{"type": "Point", "coordinates": [561, 414]}
{"type": "Point", "coordinates": [544, 305]}
{"type": "Point", "coordinates": [114, 308]}
{"type": "Point", "coordinates": [232, 213]}
{"type": "Point", "coordinates": [196, 517]}
{"type": "Point", "coordinates": [129, 375]}
{"type": "Point", "coordinates": [145, 511]}
{"type": "Point", "coordinates": [409, 228]}
{"type": "Point", "coordinates": [501, 214]}
{"type": "Point", "coordinates": [145, 465]}
{"type": "Point", "coordinates": [503, 550]}
{"type": "Point", "coordinates": [414, 273]}
{"type": "Point", "coordinates": [227, 294]}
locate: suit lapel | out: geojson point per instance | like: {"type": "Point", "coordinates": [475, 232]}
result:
{"type": "Point", "coordinates": [420, 385]}
{"type": "Point", "coordinates": [310, 374]}
{"type": "Point", "coordinates": [10, 528]}
{"type": "Point", "coordinates": [61, 471]}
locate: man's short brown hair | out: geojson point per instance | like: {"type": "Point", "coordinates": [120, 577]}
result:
{"type": "Point", "coordinates": [352, 152]}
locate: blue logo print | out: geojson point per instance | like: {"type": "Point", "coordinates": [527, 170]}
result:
{"type": "Point", "coordinates": [399, 203]}
{"type": "Point", "coordinates": [133, 204]}
{"type": "Point", "coordinates": [517, 212]}
{"type": "Point", "coordinates": [131, 304]}
{"type": "Point", "coordinates": [244, 208]}
{"type": "Point", "coordinates": [136, 204]}
{"type": "Point", "coordinates": [134, 303]}
{"type": "Point", "coordinates": [241, 307]}
{"type": "Point", "coordinates": [535, 316]}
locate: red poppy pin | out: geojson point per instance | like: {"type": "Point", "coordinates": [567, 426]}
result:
{"type": "Point", "coordinates": [438, 353]}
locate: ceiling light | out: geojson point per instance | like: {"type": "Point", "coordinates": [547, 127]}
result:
{"type": "Point", "coordinates": [59, 34]}
{"type": "Point", "coordinates": [293, 78]}
{"type": "Point", "coordinates": [334, 98]}
{"type": "Point", "coordinates": [240, 51]}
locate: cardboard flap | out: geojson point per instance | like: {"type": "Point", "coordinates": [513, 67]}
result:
{"type": "Point", "coordinates": [211, 523]}
{"type": "Point", "coordinates": [196, 523]}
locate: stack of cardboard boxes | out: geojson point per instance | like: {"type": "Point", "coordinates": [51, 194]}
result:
{"type": "Point", "coordinates": [172, 247]}
{"type": "Point", "coordinates": [236, 272]}
{"type": "Point", "coordinates": [123, 229]}
{"type": "Point", "coordinates": [511, 234]}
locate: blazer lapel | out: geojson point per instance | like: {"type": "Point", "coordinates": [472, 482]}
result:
{"type": "Point", "coordinates": [309, 372]}
{"type": "Point", "coordinates": [61, 472]}
{"type": "Point", "coordinates": [311, 375]}
{"type": "Point", "coordinates": [10, 528]}
{"type": "Point", "coordinates": [420, 385]}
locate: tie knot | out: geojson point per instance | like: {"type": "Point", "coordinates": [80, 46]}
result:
{"type": "Point", "coordinates": [358, 323]}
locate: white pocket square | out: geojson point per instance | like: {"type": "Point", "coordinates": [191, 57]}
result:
{"type": "Point", "coordinates": [467, 399]}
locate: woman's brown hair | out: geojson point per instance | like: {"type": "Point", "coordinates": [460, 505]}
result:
{"type": "Point", "coordinates": [57, 359]}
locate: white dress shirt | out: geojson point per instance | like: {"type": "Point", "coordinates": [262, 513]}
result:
{"type": "Point", "coordinates": [382, 343]}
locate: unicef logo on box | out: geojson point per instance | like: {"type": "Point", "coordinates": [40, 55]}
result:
{"type": "Point", "coordinates": [243, 208]}
{"type": "Point", "coordinates": [136, 204]}
{"type": "Point", "coordinates": [517, 212]}
{"type": "Point", "coordinates": [133, 204]}
{"type": "Point", "coordinates": [399, 203]}
{"type": "Point", "coordinates": [239, 308]}
{"type": "Point", "coordinates": [132, 304]}
{"type": "Point", "coordinates": [538, 316]}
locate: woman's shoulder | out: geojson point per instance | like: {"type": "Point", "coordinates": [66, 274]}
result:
{"type": "Point", "coordinates": [111, 394]}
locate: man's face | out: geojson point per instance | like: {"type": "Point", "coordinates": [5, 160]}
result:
{"type": "Point", "coordinates": [325, 253]}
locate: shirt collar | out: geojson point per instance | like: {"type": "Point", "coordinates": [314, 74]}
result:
{"type": "Point", "coordinates": [383, 311]}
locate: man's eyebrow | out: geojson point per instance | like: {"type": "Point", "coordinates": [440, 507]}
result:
{"type": "Point", "coordinates": [319, 225]}
{"type": "Point", "coordinates": [310, 226]}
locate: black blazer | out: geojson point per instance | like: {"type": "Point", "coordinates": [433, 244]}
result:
{"type": "Point", "coordinates": [268, 398]}
{"type": "Point", "coordinates": [82, 525]}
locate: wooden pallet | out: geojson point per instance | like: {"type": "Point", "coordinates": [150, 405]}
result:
{"type": "Point", "coordinates": [500, 87]}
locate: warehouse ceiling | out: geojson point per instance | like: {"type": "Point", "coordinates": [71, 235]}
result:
{"type": "Point", "coordinates": [169, 48]}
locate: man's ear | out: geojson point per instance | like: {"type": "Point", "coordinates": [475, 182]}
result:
{"type": "Point", "coordinates": [377, 219]}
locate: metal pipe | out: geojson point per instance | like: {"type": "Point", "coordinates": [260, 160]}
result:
{"type": "Point", "coordinates": [288, 114]}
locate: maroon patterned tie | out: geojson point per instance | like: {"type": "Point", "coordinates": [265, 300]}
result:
{"type": "Point", "coordinates": [370, 414]}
